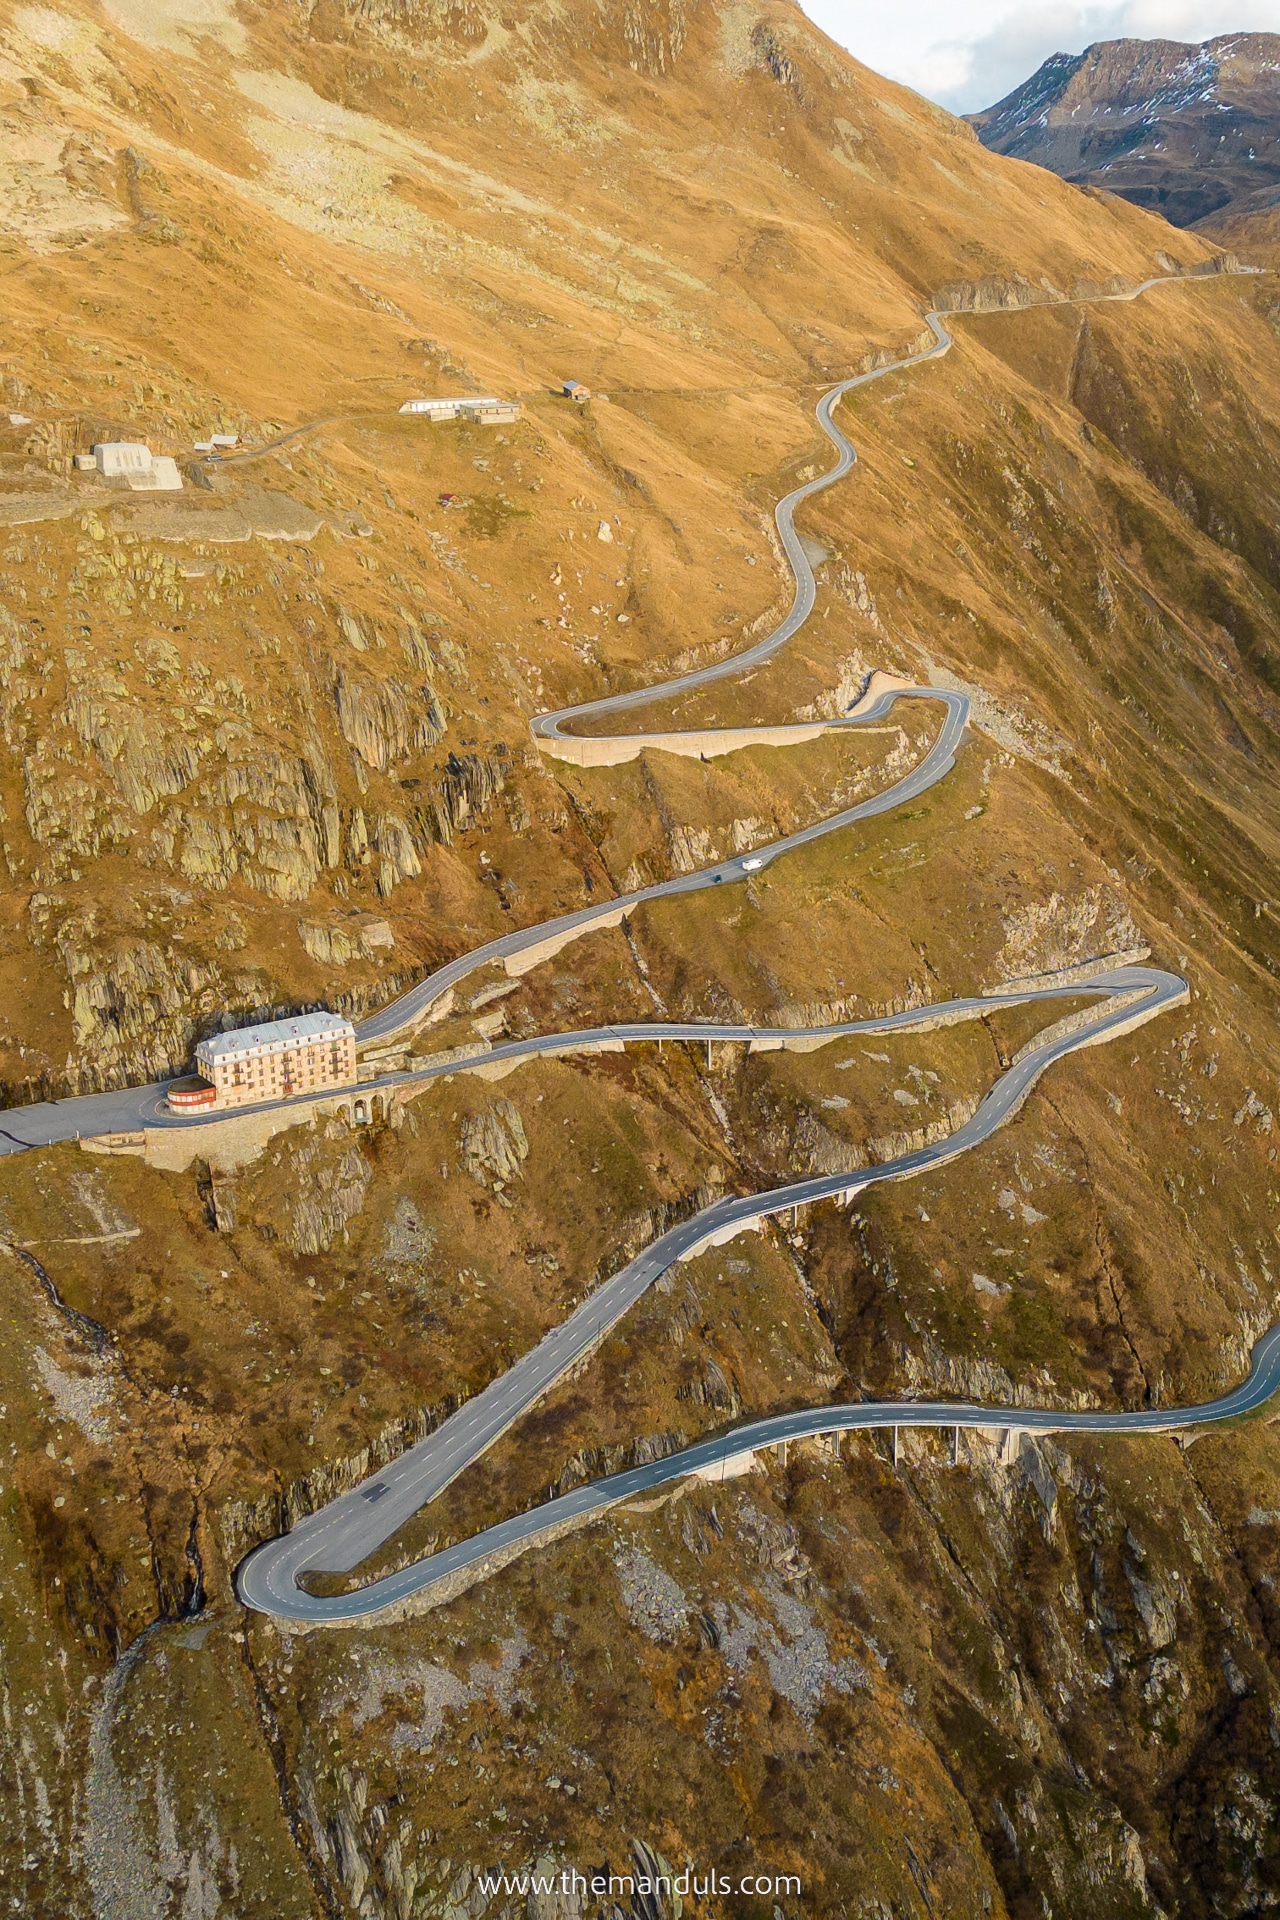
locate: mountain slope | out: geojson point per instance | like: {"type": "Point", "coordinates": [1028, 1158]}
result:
{"type": "Point", "coordinates": [244, 725]}
{"type": "Point", "coordinates": [1190, 132]}
{"type": "Point", "coordinates": [301, 222]}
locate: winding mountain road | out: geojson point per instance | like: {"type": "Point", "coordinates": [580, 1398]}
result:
{"type": "Point", "coordinates": [357, 1523]}
{"type": "Point", "coordinates": [350, 1528]}
{"type": "Point", "coordinates": [269, 1584]}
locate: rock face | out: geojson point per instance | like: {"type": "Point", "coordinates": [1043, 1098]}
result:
{"type": "Point", "coordinates": [982, 1679]}
{"type": "Point", "coordinates": [471, 782]}
{"type": "Point", "coordinates": [132, 1003]}
{"type": "Point", "coordinates": [386, 722]}
{"type": "Point", "coordinates": [339, 945]}
{"type": "Point", "coordinates": [134, 749]}
{"type": "Point", "coordinates": [493, 1144]}
{"type": "Point", "coordinates": [306, 1195]}
{"type": "Point", "coordinates": [1187, 131]}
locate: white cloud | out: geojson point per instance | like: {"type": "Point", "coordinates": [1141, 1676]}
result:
{"type": "Point", "coordinates": [970, 53]}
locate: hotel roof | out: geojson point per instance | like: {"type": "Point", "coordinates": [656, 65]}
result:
{"type": "Point", "coordinates": [275, 1036]}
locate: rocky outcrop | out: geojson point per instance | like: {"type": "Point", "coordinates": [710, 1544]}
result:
{"type": "Point", "coordinates": [408, 1244]}
{"type": "Point", "coordinates": [332, 1194]}
{"type": "Point", "coordinates": [210, 849]}
{"type": "Point", "coordinates": [271, 817]}
{"type": "Point", "coordinates": [1062, 932]}
{"type": "Point", "coordinates": [471, 782]}
{"type": "Point", "coordinates": [257, 771]}
{"type": "Point", "coordinates": [818, 1150]}
{"type": "Point", "coordinates": [493, 1145]}
{"type": "Point", "coordinates": [136, 1007]}
{"type": "Point", "coordinates": [711, 1388]}
{"type": "Point", "coordinates": [386, 721]}
{"type": "Point", "coordinates": [307, 1194]}
{"type": "Point", "coordinates": [893, 1146]}
{"type": "Point", "coordinates": [398, 856]}
{"type": "Point", "coordinates": [67, 814]}
{"type": "Point", "coordinates": [145, 755]}
{"type": "Point", "coordinates": [993, 294]}
{"type": "Point", "coordinates": [281, 857]}
{"type": "Point", "coordinates": [337, 944]}
{"type": "Point", "coordinates": [288, 857]}
{"type": "Point", "coordinates": [654, 34]}
{"type": "Point", "coordinates": [243, 1523]}
{"type": "Point", "coordinates": [184, 774]}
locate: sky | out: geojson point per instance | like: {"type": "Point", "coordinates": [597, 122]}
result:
{"type": "Point", "coordinates": [968, 54]}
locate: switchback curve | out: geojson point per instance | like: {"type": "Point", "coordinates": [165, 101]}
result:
{"type": "Point", "coordinates": [352, 1527]}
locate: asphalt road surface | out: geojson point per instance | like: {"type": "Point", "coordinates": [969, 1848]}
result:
{"type": "Point", "coordinates": [133, 1107]}
{"type": "Point", "coordinates": [455, 1566]}
{"type": "Point", "coordinates": [355, 1525]}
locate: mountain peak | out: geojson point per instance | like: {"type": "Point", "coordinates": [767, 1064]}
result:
{"type": "Point", "coordinates": [1185, 130]}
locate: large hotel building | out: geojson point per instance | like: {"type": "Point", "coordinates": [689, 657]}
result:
{"type": "Point", "coordinates": [275, 1061]}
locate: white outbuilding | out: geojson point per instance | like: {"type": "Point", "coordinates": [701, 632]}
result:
{"type": "Point", "coordinates": [163, 477]}
{"type": "Point", "coordinates": [490, 413]}
{"type": "Point", "coordinates": [133, 463]}
{"type": "Point", "coordinates": [433, 409]}
{"type": "Point", "coordinates": [117, 459]}
{"type": "Point", "coordinates": [483, 407]}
